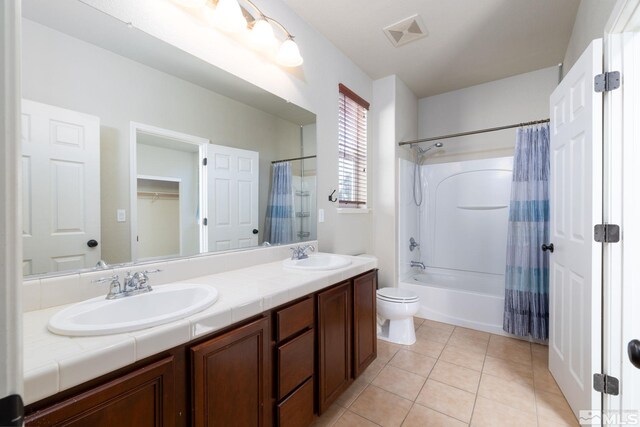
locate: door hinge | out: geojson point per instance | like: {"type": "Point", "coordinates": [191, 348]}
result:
{"type": "Point", "coordinates": [205, 221]}
{"type": "Point", "coordinates": [606, 233]}
{"type": "Point", "coordinates": [606, 384]}
{"type": "Point", "coordinates": [606, 82]}
{"type": "Point", "coordinates": [204, 162]}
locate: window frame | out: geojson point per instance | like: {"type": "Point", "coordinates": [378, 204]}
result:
{"type": "Point", "coordinates": [359, 202]}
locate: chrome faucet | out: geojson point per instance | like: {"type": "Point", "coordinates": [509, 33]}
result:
{"type": "Point", "coordinates": [418, 264]}
{"type": "Point", "coordinates": [133, 284]}
{"type": "Point", "coordinates": [300, 252]}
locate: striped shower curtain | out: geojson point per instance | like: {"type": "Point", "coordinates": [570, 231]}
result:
{"type": "Point", "coordinates": [526, 302]}
{"type": "Point", "coordinates": [279, 222]}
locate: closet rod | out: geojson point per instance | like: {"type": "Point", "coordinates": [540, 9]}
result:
{"type": "Point", "coordinates": [473, 132]}
{"type": "Point", "coordinates": [295, 158]}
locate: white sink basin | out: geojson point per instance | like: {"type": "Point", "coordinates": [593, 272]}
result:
{"type": "Point", "coordinates": [99, 316]}
{"type": "Point", "coordinates": [318, 262]}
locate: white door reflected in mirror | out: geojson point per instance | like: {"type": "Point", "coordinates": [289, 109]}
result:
{"type": "Point", "coordinates": [60, 190]}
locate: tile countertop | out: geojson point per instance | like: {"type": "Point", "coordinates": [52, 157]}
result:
{"type": "Point", "coordinates": [53, 363]}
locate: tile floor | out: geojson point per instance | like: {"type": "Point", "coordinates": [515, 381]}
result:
{"type": "Point", "coordinates": [453, 376]}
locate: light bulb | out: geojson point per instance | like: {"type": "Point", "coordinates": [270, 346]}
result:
{"type": "Point", "coordinates": [289, 54]}
{"type": "Point", "coordinates": [262, 37]}
{"type": "Point", "coordinates": [190, 3]}
{"type": "Point", "coordinates": [228, 16]}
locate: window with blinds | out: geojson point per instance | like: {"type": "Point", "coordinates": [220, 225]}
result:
{"type": "Point", "coordinates": [352, 149]}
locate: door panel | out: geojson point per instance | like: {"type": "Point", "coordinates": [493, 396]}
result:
{"type": "Point", "coordinates": [61, 188]}
{"type": "Point", "coordinates": [233, 203]}
{"type": "Point", "coordinates": [576, 206]}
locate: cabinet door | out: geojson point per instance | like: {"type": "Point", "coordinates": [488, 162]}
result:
{"type": "Point", "coordinates": [334, 343]}
{"type": "Point", "coordinates": [232, 378]}
{"type": "Point", "coordinates": [144, 397]}
{"type": "Point", "coordinates": [364, 321]}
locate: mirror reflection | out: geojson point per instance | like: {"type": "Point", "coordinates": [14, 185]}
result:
{"type": "Point", "coordinates": [134, 150]}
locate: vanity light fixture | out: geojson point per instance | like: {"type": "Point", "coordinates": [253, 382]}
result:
{"type": "Point", "coordinates": [228, 16]}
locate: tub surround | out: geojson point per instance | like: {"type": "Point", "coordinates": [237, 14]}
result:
{"type": "Point", "coordinates": [55, 363]}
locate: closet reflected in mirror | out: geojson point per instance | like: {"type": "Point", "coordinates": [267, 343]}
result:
{"type": "Point", "coordinates": [134, 150]}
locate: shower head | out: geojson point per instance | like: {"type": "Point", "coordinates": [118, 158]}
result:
{"type": "Point", "coordinates": [422, 151]}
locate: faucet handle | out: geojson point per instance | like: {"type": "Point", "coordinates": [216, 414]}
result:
{"type": "Point", "coordinates": [114, 278]}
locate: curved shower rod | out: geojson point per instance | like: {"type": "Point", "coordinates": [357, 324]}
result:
{"type": "Point", "coordinates": [473, 132]}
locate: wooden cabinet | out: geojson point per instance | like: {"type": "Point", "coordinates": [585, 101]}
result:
{"type": "Point", "coordinates": [364, 321]}
{"type": "Point", "coordinates": [295, 366]}
{"type": "Point", "coordinates": [246, 376]}
{"type": "Point", "coordinates": [334, 343]}
{"type": "Point", "coordinates": [232, 378]}
{"type": "Point", "coordinates": [144, 397]}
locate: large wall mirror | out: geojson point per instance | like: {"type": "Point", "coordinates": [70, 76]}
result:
{"type": "Point", "coordinates": [134, 150]}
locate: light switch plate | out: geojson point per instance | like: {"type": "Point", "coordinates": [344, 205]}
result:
{"type": "Point", "coordinates": [320, 215]}
{"type": "Point", "coordinates": [121, 215]}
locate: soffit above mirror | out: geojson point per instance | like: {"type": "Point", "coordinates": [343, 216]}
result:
{"type": "Point", "coordinates": [84, 22]}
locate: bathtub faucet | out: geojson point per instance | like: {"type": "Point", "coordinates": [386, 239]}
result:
{"type": "Point", "coordinates": [418, 264]}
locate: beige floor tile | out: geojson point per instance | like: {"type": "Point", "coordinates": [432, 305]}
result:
{"type": "Point", "coordinates": [329, 417]}
{"type": "Point", "coordinates": [488, 413]}
{"type": "Point", "coordinates": [350, 394]}
{"type": "Point", "coordinates": [553, 408]}
{"type": "Point", "coordinates": [471, 333]}
{"type": "Point", "coordinates": [510, 349]}
{"type": "Point", "coordinates": [439, 325]}
{"type": "Point", "coordinates": [398, 381]}
{"type": "Point", "coordinates": [372, 370]}
{"type": "Point", "coordinates": [508, 370]}
{"type": "Point", "coordinates": [381, 407]}
{"type": "Point", "coordinates": [456, 376]}
{"type": "Point", "coordinates": [433, 334]}
{"type": "Point", "coordinates": [511, 393]}
{"type": "Point", "coordinates": [387, 350]}
{"type": "Point", "coordinates": [463, 357]}
{"type": "Point", "coordinates": [413, 362]}
{"type": "Point", "coordinates": [475, 345]}
{"type": "Point", "coordinates": [543, 380]}
{"type": "Point", "coordinates": [540, 355]}
{"type": "Point", "coordinates": [349, 419]}
{"type": "Point", "coordinates": [447, 400]}
{"type": "Point", "coordinates": [417, 321]}
{"type": "Point", "coordinates": [426, 347]}
{"type": "Point", "coordinates": [421, 416]}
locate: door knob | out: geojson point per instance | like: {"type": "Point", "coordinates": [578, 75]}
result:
{"type": "Point", "coordinates": [92, 243]}
{"type": "Point", "coordinates": [548, 247]}
{"type": "Point", "coordinates": [255, 231]}
{"type": "Point", "coordinates": [634, 353]}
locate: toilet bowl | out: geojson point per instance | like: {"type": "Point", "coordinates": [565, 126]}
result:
{"type": "Point", "coordinates": [396, 308]}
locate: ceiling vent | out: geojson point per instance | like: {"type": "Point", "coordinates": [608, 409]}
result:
{"type": "Point", "coordinates": [406, 31]}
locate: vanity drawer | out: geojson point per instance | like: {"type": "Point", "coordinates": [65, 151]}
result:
{"type": "Point", "coordinates": [294, 319]}
{"type": "Point", "coordinates": [295, 363]}
{"type": "Point", "coordinates": [297, 409]}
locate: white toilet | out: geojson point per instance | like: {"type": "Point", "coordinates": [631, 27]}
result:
{"type": "Point", "coordinates": [396, 308]}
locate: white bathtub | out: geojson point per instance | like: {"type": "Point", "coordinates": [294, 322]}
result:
{"type": "Point", "coordinates": [472, 300]}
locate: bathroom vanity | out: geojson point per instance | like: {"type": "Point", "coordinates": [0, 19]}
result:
{"type": "Point", "coordinates": [278, 367]}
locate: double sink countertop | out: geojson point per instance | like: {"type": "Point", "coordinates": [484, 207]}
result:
{"type": "Point", "coordinates": [53, 363]}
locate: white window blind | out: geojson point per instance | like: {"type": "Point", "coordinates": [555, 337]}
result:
{"type": "Point", "coordinates": [352, 149]}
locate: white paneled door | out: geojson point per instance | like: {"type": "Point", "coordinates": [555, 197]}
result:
{"type": "Point", "coordinates": [60, 187]}
{"type": "Point", "coordinates": [576, 206]}
{"type": "Point", "coordinates": [233, 176]}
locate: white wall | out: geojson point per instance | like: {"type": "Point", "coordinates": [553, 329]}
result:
{"type": "Point", "coordinates": [63, 71]}
{"type": "Point", "coordinates": [516, 99]}
{"type": "Point", "coordinates": [394, 116]}
{"type": "Point", "coordinates": [11, 361]}
{"type": "Point", "coordinates": [314, 87]}
{"type": "Point", "coordinates": [590, 21]}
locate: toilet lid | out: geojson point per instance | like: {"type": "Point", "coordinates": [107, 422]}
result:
{"type": "Point", "coordinates": [396, 295]}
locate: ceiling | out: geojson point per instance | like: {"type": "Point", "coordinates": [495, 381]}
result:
{"type": "Point", "coordinates": [469, 42]}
